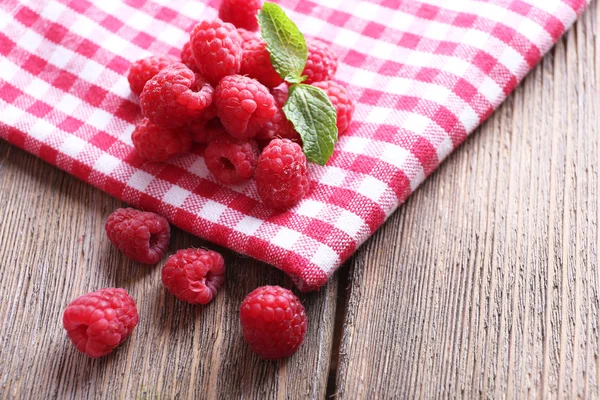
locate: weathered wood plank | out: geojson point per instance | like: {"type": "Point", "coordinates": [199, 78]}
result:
{"type": "Point", "coordinates": [485, 284]}
{"type": "Point", "coordinates": [53, 249]}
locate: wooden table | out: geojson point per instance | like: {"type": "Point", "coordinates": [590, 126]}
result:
{"type": "Point", "coordinates": [484, 284]}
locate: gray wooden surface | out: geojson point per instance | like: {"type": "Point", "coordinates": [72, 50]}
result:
{"type": "Point", "coordinates": [484, 284]}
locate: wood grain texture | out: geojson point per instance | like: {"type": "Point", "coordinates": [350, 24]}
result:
{"type": "Point", "coordinates": [485, 283]}
{"type": "Point", "coordinates": [53, 249]}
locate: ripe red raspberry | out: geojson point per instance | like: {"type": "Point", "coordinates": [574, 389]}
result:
{"type": "Point", "coordinates": [244, 105]}
{"type": "Point", "coordinates": [247, 35]}
{"type": "Point", "coordinates": [278, 127]}
{"type": "Point", "coordinates": [141, 236]}
{"type": "Point", "coordinates": [256, 63]}
{"type": "Point", "coordinates": [217, 49]}
{"type": "Point", "coordinates": [187, 57]}
{"type": "Point", "coordinates": [282, 174]}
{"type": "Point", "coordinates": [207, 128]}
{"type": "Point", "coordinates": [231, 160]}
{"type": "Point", "coordinates": [155, 143]}
{"type": "Point", "coordinates": [98, 322]}
{"type": "Point", "coordinates": [241, 13]}
{"type": "Point", "coordinates": [143, 70]}
{"type": "Point", "coordinates": [280, 94]}
{"type": "Point", "coordinates": [273, 322]}
{"type": "Point", "coordinates": [175, 96]}
{"type": "Point", "coordinates": [321, 64]}
{"type": "Point", "coordinates": [194, 275]}
{"type": "Point", "coordinates": [344, 105]}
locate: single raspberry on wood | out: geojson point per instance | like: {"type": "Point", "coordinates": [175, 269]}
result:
{"type": "Point", "coordinates": [143, 70]}
{"type": "Point", "coordinates": [194, 275]}
{"type": "Point", "coordinates": [231, 161]}
{"type": "Point", "coordinates": [322, 62]}
{"type": "Point", "coordinates": [244, 105]}
{"type": "Point", "coordinates": [217, 49]}
{"type": "Point", "coordinates": [241, 13]}
{"type": "Point", "coordinates": [141, 236]}
{"type": "Point", "coordinates": [256, 63]}
{"type": "Point", "coordinates": [155, 143]}
{"type": "Point", "coordinates": [98, 322]}
{"type": "Point", "coordinates": [273, 322]}
{"type": "Point", "coordinates": [175, 96]}
{"type": "Point", "coordinates": [207, 128]}
{"type": "Point", "coordinates": [344, 105]}
{"type": "Point", "coordinates": [282, 174]}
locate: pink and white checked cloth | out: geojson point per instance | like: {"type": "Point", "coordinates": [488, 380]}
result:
{"type": "Point", "coordinates": [425, 74]}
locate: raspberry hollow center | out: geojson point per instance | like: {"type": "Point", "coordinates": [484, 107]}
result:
{"type": "Point", "coordinates": [227, 164]}
{"type": "Point", "coordinates": [153, 240]}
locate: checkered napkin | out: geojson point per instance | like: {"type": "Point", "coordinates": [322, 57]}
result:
{"type": "Point", "coordinates": [424, 73]}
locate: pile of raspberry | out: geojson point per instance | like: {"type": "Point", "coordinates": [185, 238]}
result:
{"type": "Point", "coordinates": [225, 96]}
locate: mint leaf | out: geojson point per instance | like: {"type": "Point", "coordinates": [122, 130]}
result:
{"type": "Point", "coordinates": [285, 42]}
{"type": "Point", "coordinates": [314, 117]}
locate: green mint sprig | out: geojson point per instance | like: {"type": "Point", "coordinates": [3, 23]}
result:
{"type": "Point", "coordinates": [308, 108]}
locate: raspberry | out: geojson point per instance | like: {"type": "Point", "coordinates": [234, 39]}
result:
{"type": "Point", "coordinates": [321, 64]}
{"type": "Point", "coordinates": [154, 143]}
{"type": "Point", "coordinates": [194, 275]}
{"type": "Point", "coordinates": [187, 57]}
{"type": "Point", "coordinates": [247, 35]}
{"type": "Point", "coordinates": [175, 96]}
{"type": "Point", "coordinates": [256, 63]}
{"type": "Point", "coordinates": [143, 70]}
{"type": "Point", "coordinates": [217, 49]}
{"type": "Point", "coordinates": [278, 126]}
{"type": "Point", "coordinates": [282, 174]}
{"type": "Point", "coordinates": [241, 13]}
{"type": "Point", "coordinates": [273, 322]}
{"type": "Point", "coordinates": [280, 94]}
{"type": "Point", "coordinates": [207, 128]}
{"type": "Point", "coordinates": [344, 105]}
{"type": "Point", "coordinates": [98, 322]}
{"type": "Point", "coordinates": [141, 236]}
{"type": "Point", "coordinates": [244, 105]}
{"type": "Point", "coordinates": [230, 160]}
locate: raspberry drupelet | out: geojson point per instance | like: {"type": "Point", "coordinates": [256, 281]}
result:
{"type": "Point", "coordinates": [143, 70]}
{"type": "Point", "coordinates": [282, 174]}
{"type": "Point", "coordinates": [273, 322]}
{"type": "Point", "coordinates": [279, 127]}
{"type": "Point", "coordinates": [256, 63]}
{"type": "Point", "coordinates": [141, 236]}
{"type": "Point", "coordinates": [231, 161]}
{"type": "Point", "coordinates": [241, 13]}
{"type": "Point", "coordinates": [187, 57]}
{"type": "Point", "coordinates": [98, 322]}
{"type": "Point", "coordinates": [175, 96]}
{"type": "Point", "coordinates": [322, 62]}
{"type": "Point", "coordinates": [207, 128]}
{"type": "Point", "coordinates": [247, 35]}
{"type": "Point", "coordinates": [344, 105]}
{"type": "Point", "coordinates": [155, 143]}
{"type": "Point", "coordinates": [194, 275]}
{"type": "Point", "coordinates": [244, 105]}
{"type": "Point", "coordinates": [217, 49]}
